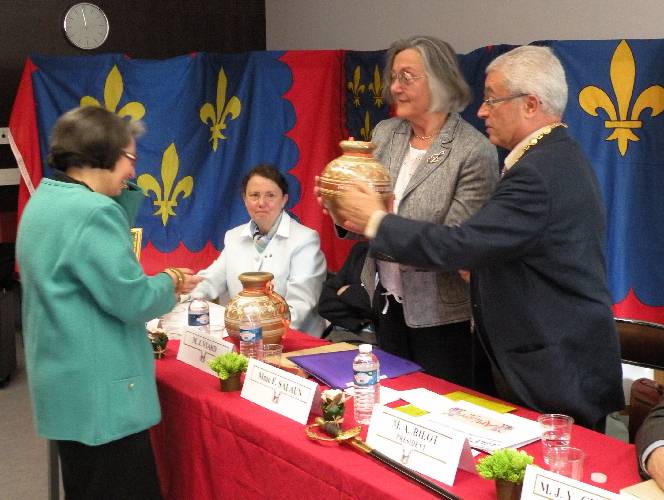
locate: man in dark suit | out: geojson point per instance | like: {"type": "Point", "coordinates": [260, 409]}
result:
{"type": "Point", "coordinates": [538, 277]}
{"type": "Point", "coordinates": [650, 444]}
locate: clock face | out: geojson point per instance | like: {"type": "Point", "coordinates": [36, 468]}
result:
{"type": "Point", "coordinates": [86, 25]}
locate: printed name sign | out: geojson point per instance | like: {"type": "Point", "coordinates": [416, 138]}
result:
{"type": "Point", "coordinates": [196, 349]}
{"type": "Point", "coordinates": [420, 446]}
{"type": "Point", "coordinates": [280, 391]}
{"type": "Point", "coordinates": [540, 484]}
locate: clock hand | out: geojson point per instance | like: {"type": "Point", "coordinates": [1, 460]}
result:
{"type": "Point", "coordinates": [85, 23]}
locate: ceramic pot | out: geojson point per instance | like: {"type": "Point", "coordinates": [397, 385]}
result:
{"type": "Point", "coordinates": [355, 164]}
{"type": "Point", "coordinates": [272, 308]}
{"type": "Point", "coordinates": [232, 383]}
{"type": "Point", "coordinates": [507, 490]}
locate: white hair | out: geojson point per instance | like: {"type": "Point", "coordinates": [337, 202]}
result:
{"type": "Point", "coordinates": [534, 70]}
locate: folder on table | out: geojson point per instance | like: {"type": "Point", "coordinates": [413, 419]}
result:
{"type": "Point", "coordinates": [335, 369]}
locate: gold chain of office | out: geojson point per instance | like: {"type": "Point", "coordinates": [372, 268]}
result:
{"type": "Point", "coordinates": [546, 131]}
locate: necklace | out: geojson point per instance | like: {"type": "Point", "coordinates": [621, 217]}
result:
{"type": "Point", "coordinates": [545, 131]}
{"type": "Point", "coordinates": [426, 137]}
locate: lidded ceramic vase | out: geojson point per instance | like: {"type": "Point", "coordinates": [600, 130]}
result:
{"type": "Point", "coordinates": [355, 164]}
{"type": "Point", "coordinates": [257, 291]}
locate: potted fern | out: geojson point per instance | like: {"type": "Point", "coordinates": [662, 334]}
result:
{"type": "Point", "coordinates": [508, 468]}
{"type": "Point", "coordinates": [229, 366]}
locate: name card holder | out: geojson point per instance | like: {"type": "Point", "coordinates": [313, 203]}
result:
{"type": "Point", "coordinates": [540, 484]}
{"type": "Point", "coordinates": [279, 391]}
{"type": "Point", "coordinates": [196, 349]}
{"type": "Point", "coordinates": [420, 446]}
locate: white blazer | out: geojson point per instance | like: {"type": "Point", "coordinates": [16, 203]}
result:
{"type": "Point", "coordinates": [293, 255]}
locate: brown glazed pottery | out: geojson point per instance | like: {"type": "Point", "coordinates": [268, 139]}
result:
{"type": "Point", "coordinates": [355, 164]}
{"type": "Point", "coordinates": [273, 310]}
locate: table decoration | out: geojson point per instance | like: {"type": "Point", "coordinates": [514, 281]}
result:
{"type": "Point", "coordinates": [333, 433]}
{"type": "Point", "coordinates": [158, 339]}
{"type": "Point", "coordinates": [508, 468]}
{"type": "Point", "coordinates": [258, 292]}
{"type": "Point", "coordinates": [229, 367]}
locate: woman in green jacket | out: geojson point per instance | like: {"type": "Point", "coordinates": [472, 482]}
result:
{"type": "Point", "coordinates": [85, 302]}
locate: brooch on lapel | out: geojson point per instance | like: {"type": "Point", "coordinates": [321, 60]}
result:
{"type": "Point", "coordinates": [435, 157]}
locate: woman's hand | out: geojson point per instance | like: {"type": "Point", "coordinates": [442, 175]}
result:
{"type": "Point", "coordinates": [184, 279]}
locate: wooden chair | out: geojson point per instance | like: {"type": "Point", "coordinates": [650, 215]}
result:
{"type": "Point", "coordinates": [641, 344]}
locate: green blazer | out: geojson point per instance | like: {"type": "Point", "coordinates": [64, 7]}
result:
{"type": "Point", "coordinates": [85, 301]}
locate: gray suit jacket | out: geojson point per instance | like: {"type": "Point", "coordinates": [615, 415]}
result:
{"type": "Point", "coordinates": [651, 430]}
{"type": "Point", "coordinates": [457, 175]}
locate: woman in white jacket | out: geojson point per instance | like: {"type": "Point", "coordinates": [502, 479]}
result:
{"type": "Point", "coordinates": [271, 241]}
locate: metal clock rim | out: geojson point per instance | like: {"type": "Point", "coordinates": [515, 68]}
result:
{"type": "Point", "coordinates": [67, 35]}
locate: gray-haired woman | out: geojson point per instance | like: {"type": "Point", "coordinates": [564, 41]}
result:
{"type": "Point", "coordinates": [443, 170]}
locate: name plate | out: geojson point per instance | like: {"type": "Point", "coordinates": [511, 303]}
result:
{"type": "Point", "coordinates": [280, 391]}
{"type": "Point", "coordinates": [420, 446]}
{"type": "Point", "coordinates": [540, 484]}
{"type": "Point", "coordinates": [197, 349]}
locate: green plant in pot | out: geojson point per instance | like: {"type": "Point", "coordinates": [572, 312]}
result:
{"type": "Point", "coordinates": [508, 468]}
{"type": "Point", "coordinates": [229, 366]}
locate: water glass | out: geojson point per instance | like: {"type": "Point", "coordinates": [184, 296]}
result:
{"type": "Point", "coordinates": [567, 461]}
{"type": "Point", "coordinates": [556, 432]}
{"type": "Point", "coordinates": [272, 354]}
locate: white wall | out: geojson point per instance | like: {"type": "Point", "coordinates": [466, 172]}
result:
{"type": "Point", "coordinates": [466, 24]}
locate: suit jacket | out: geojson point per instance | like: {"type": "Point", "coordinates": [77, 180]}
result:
{"type": "Point", "coordinates": [85, 303]}
{"type": "Point", "coordinates": [456, 176]}
{"type": "Point", "coordinates": [651, 431]}
{"type": "Point", "coordinates": [293, 255]}
{"type": "Point", "coordinates": [352, 309]}
{"type": "Point", "coordinates": [538, 279]}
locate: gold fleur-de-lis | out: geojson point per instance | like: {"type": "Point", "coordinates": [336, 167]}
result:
{"type": "Point", "coordinates": [365, 131]}
{"type": "Point", "coordinates": [623, 72]}
{"type": "Point", "coordinates": [113, 89]}
{"type": "Point", "coordinates": [217, 115]}
{"type": "Point", "coordinates": [376, 87]}
{"type": "Point", "coordinates": [356, 87]}
{"type": "Point", "coordinates": [167, 199]}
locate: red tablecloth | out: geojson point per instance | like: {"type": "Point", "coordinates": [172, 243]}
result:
{"type": "Point", "coordinates": [217, 445]}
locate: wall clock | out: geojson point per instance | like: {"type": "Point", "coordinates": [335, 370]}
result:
{"type": "Point", "coordinates": [85, 25]}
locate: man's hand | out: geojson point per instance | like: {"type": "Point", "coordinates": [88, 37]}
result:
{"type": "Point", "coordinates": [356, 204]}
{"type": "Point", "coordinates": [655, 466]}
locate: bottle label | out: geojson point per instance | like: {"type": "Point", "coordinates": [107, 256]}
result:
{"type": "Point", "coordinates": [365, 377]}
{"type": "Point", "coordinates": [251, 334]}
{"type": "Point", "coordinates": [199, 319]}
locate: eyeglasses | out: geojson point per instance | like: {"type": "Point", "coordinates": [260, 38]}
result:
{"type": "Point", "coordinates": [268, 197]}
{"type": "Point", "coordinates": [492, 101]}
{"type": "Point", "coordinates": [405, 78]}
{"type": "Point", "coordinates": [130, 156]}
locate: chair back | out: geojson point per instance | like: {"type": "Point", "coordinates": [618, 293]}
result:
{"type": "Point", "coordinates": [641, 343]}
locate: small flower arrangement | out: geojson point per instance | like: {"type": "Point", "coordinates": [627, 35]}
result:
{"type": "Point", "coordinates": [158, 339]}
{"type": "Point", "coordinates": [229, 363]}
{"type": "Point", "coordinates": [332, 405]}
{"type": "Point", "coordinates": [507, 464]}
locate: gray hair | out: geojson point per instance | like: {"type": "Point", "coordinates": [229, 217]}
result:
{"type": "Point", "coordinates": [90, 137]}
{"type": "Point", "coordinates": [534, 70]}
{"type": "Point", "coordinates": [449, 90]}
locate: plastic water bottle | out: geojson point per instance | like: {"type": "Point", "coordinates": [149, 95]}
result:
{"type": "Point", "coordinates": [366, 378]}
{"type": "Point", "coordinates": [251, 333]}
{"type": "Point", "coordinates": [198, 315]}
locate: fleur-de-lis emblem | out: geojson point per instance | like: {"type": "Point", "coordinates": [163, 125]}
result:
{"type": "Point", "coordinates": [167, 199]}
{"type": "Point", "coordinates": [623, 72]}
{"type": "Point", "coordinates": [217, 116]}
{"type": "Point", "coordinates": [356, 87]}
{"type": "Point", "coordinates": [365, 131]}
{"type": "Point", "coordinates": [376, 87]}
{"type": "Point", "coordinates": [113, 89]}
